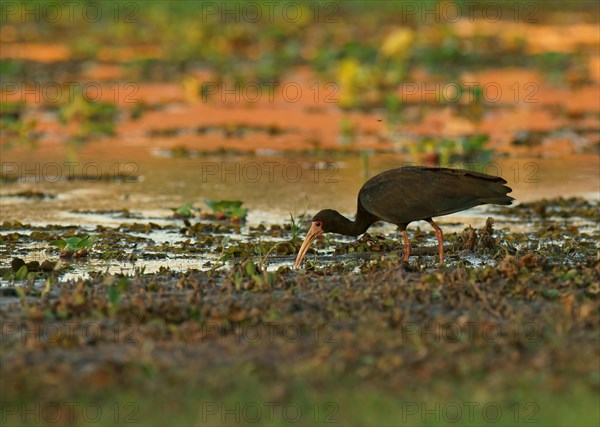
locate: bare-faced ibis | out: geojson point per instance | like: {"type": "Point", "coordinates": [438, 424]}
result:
{"type": "Point", "coordinates": [408, 194]}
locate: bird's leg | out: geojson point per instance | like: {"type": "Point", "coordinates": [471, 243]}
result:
{"type": "Point", "coordinates": [406, 245]}
{"type": "Point", "coordinates": [440, 238]}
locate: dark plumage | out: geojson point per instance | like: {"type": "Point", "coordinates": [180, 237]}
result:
{"type": "Point", "coordinates": [408, 194]}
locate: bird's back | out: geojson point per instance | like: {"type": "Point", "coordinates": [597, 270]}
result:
{"type": "Point", "coordinates": [414, 193]}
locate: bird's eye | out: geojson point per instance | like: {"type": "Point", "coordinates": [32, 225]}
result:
{"type": "Point", "coordinates": [318, 223]}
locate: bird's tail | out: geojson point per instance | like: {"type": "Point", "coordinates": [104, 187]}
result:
{"type": "Point", "coordinates": [505, 200]}
{"type": "Point", "coordinates": [482, 187]}
{"type": "Point", "coordinates": [496, 193]}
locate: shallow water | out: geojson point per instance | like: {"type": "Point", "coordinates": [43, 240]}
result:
{"type": "Point", "coordinates": [271, 187]}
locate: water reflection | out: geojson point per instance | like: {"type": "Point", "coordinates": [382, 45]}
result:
{"type": "Point", "coordinates": [273, 186]}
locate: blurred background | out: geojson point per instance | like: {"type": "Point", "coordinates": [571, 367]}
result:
{"type": "Point", "coordinates": [145, 105]}
{"type": "Point", "coordinates": [119, 120]}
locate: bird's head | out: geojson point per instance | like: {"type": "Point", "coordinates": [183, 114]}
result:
{"type": "Point", "coordinates": [326, 220]}
{"type": "Point", "coordinates": [322, 222]}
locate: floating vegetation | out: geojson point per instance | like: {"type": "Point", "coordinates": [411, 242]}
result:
{"type": "Point", "coordinates": [230, 209]}
{"type": "Point", "coordinates": [75, 247]}
{"type": "Point", "coordinates": [184, 211]}
{"type": "Point", "coordinates": [452, 151]}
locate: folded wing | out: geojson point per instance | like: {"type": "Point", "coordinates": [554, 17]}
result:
{"type": "Point", "coordinates": [414, 193]}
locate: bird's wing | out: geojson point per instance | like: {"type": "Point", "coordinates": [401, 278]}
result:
{"type": "Point", "coordinates": [414, 193]}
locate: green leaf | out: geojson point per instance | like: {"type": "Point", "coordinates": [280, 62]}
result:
{"type": "Point", "coordinates": [570, 274]}
{"type": "Point", "coordinates": [47, 286]}
{"type": "Point", "coordinates": [239, 213]}
{"type": "Point", "coordinates": [223, 205]}
{"type": "Point", "coordinates": [114, 295]}
{"type": "Point", "coordinates": [550, 293]}
{"type": "Point", "coordinates": [75, 243]}
{"type": "Point", "coordinates": [185, 210]}
{"type": "Point", "coordinates": [87, 242]}
{"type": "Point", "coordinates": [258, 279]}
{"type": "Point", "coordinates": [21, 273]}
{"type": "Point", "coordinates": [72, 243]}
{"type": "Point", "coordinates": [122, 284]}
{"type": "Point", "coordinates": [250, 270]}
{"type": "Point", "coordinates": [60, 243]}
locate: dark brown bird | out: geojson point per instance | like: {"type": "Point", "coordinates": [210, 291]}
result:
{"type": "Point", "coordinates": [408, 194]}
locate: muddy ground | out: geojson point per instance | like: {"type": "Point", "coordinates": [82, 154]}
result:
{"type": "Point", "coordinates": [355, 336]}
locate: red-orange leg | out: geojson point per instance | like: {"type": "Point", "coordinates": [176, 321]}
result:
{"type": "Point", "coordinates": [406, 246]}
{"type": "Point", "coordinates": [440, 238]}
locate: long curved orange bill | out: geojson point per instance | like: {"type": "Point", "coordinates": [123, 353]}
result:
{"type": "Point", "coordinates": [314, 231]}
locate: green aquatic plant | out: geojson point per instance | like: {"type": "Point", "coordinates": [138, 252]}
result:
{"type": "Point", "coordinates": [279, 248]}
{"type": "Point", "coordinates": [554, 65]}
{"type": "Point", "coordinates": [115, 293]}
{"type": "Point", "coordinates": [20, 270]}
{"type": "Point", "coordinates": [348, 131]}
{"type": "Point", "coordinates": [93, 118]}
{"type": "Point", "coordinates": [448, 151]}
{"type": "Point", "coordinates": [224, 255]}
{"type": "Point", "coordinates": [227, 209]}
{"type": "Point", "coordinates": [20, 133]}
{"type": "Point", "coordinates": [295, 226]}
{"type": "Point", "coordinates": [15, 128]}
{"type": "Point", "coordinates": [11, 110]}
{"type": "Point", "coordinates": [75, 247]}
{"type": "Point", "coordinates": [184, 211]}
{"type": "Point", "coordinates": [296, 223]}
{"type": "Point", "coordinates": [251, 276]}
{"type": "Point", "coordinates": [116, 290]}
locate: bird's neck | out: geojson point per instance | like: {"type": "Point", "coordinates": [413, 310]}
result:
{"type": "Point", "coordinates": [354, 228]}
